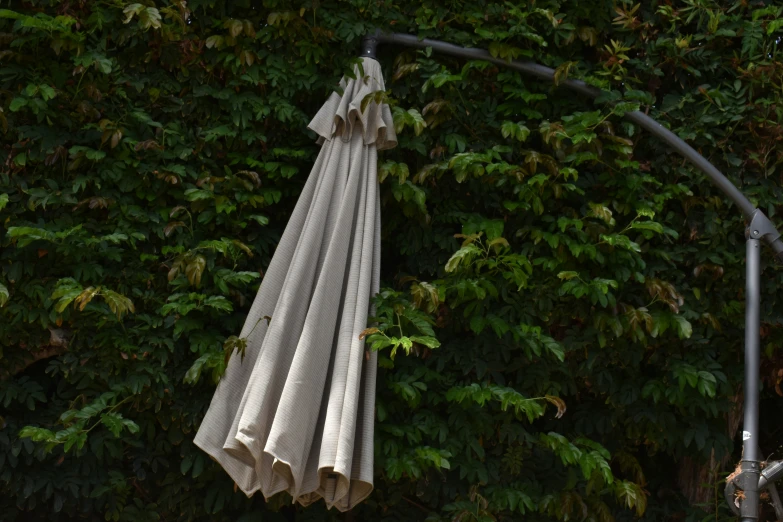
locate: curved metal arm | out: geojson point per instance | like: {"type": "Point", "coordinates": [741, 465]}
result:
{"type": "Point", "coordinates": [759, 228]}
{"type": "Point", "coordinates": [546, 73]}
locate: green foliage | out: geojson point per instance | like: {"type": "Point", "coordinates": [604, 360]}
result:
{"type": "Point", "coordinates": [538, 251]}
{"type": "Point", "coordinates": [397, 315]}
{"type": "Point", "coordinates": [75, 421]}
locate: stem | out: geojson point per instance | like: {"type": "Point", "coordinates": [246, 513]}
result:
{"type": "Point", "coordinates": [406, 499]}
{"type": "Point", "coordinates": [190, 217]}
{"type": "Point", "coordinates": [259, 320]}
{"type": "Point", "coordinates": [78, 85]}
{"type": "Point", "coordinates": [126, 399]}
{"type": "Point", "coordinates": [466, 126]}
{"type": "Point", "coordinates": [623, 231]}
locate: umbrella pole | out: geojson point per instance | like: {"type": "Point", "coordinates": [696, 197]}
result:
{"type": "Point", "coordinates": [760, 227]}
{"type": "Point", "coordinates": [750, 464]}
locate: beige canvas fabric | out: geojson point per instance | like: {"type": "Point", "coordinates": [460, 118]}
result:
{"type": "Point", "coordinates": [297, 414]}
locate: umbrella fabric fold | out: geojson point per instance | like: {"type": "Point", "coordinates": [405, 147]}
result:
{"type": "Point", "coordinates": [297, 413]}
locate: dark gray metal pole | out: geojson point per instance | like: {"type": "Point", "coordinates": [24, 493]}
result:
{"type": "Point", "coordinates": [750, 465]}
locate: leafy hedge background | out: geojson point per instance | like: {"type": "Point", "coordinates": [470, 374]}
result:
{"type": "Point", "coordinates": [589, 315]}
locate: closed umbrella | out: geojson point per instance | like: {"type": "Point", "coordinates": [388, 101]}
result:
{"type": "Point", "coordinates": [296, 414]}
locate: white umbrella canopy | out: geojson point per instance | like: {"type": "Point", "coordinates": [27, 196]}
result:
{"type": "Point", "coordinates": [297, 413]}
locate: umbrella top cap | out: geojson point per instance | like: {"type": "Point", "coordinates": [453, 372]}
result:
{"type": "Point", "coordinates": [358, 106]}
{"type": "Point", "coordinates": [369, 45]}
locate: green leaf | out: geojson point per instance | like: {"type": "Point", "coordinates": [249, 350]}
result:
{"type": "Point", "coordinates": [113, 421]}
{"type": "Point", "coordinates": [235, 27]}
{"type": "Point", "coordinates": [47, 93]}
{"type": "Point", "coordinates": [218, 302]}
{"type": "Point", "coordinates": [198, 466]}
{"type": "Point", "coordinates": [17, 103]}
{"type": "Point", "coordinates": [194, 269]}
{"type": "Point", "coordinates": [648, 225]}
{"type": "Point", "coordinates": [198, 194]}
{"type": "Point", "coordinates": [193, 374]}
{"type": "Point", "coordinates": [186, 464]}
{"type": "Point", "coordinates": [261, 220]}
{"type": "Point", "coordinates": [462, 256]}
{"type": "Point", "coordinates": [118, 303]}
{"type": "Point", "coordinates": [601, 212]}
{"type": "Point", "coordinates": [683, 327]}
{"type": "Point", "coordinates": [517, 131]}
{"type": "Point", "coordinates": [429, 342]}
{"type": "Point", "coordinates": [66, 291]}
{"type": "Point", "coordinates": [214, 41]}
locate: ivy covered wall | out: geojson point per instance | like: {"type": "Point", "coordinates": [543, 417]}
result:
{"type": "Point", "coordinates": [585, 285]}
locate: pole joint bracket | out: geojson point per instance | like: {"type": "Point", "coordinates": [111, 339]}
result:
{"type": "Point", "coordinates": [761, 227]}
{"type": "Point", "coordinates": [744, 504]}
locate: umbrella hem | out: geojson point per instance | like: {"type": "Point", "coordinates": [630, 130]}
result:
{"type": "Point", "coordinates": [222, 458]}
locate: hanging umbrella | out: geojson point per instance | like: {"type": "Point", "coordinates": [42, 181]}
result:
{"type": "Point", "coordinates": [296, 413]}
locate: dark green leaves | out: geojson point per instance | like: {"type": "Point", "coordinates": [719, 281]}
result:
{"type": "Point", "coordinates": [69, 291]}
{"type": "Point", "coordinates": [148, 17]}
{"type": "Point", "coordinates": [153, 147]}
{"type": "Point", "coordinates": [214, 361]}
{"type": "Point", "coordinates": [517, 131]}
{"type": "Point", "coordinates": [400, 325]}
{"type": "Point", "coordinates": [115, 423]}
{"type": "Point", "coordinates": [78, 423]}
{"type": "Point", "coordinates": [410, 118]}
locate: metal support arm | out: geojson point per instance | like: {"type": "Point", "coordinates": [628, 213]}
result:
{"type": "Point", "coordinates": [751, 479]}
{"type": "Point", "coordinates": [370, 43]}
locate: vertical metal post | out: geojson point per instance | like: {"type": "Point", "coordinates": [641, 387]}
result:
{"type": "Point", "coordinates": [750, 465]}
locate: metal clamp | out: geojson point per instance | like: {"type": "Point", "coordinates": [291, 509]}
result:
{"type": "Point", "coordinates": [730, 492]}
{"type": "Point", "coordinates": [761, 227]}
{"type": "Point", "coordinates": [750, 480]}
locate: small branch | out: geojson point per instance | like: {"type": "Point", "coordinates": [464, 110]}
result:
{"type": "Point", "coordinates": [43, 353]}
{"type": "Point", "coordinates": [423, 508]}
{"type": "Point", "coordinates": [58, 344]}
